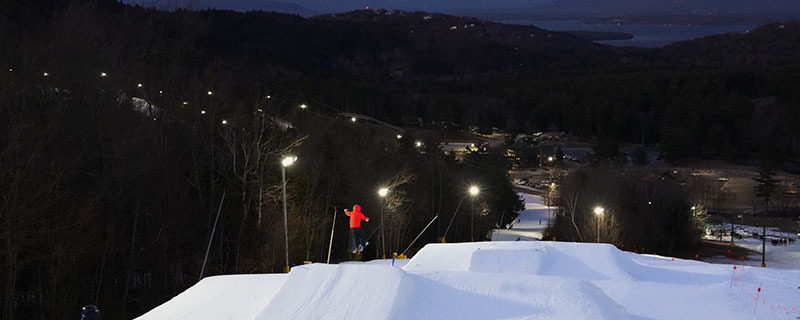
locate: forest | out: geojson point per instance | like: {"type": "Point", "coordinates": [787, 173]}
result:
{"type": "Point", "coordinates": [121, 129]}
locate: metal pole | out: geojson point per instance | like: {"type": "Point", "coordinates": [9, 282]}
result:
{"type": "Point", "coordinates": [471, 221]}
{"type": "Point", "coordinates": [598, 228]}
{"type": "Point", "coordinates": [452, 219]}
{"type": "Point", "coordinates": [423, 231]}
{"type": "Point", "coordinates": [211, 238]}
{"type": "Point", "coordinates": [285, 220]}
{"type": "Point", "coordinates": [383, 238]}
{"type": "Point", "coordinates": [763, 247]}
{"type": "Point", "coordinates": [330, 244]}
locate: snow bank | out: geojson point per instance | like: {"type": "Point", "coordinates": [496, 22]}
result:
{"type": "Point", "coordinates": [221, 297]}
{"type": "Point", "coordinates": [586, 260]}
{"type": "Point", "coordinates": [383, 292]}
{"type": "Point", "coordinates": [338, 292]}
{"type": "Point", "coordinates": [500, 280]}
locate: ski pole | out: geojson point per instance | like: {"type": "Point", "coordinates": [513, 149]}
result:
{"type": "Point", "coordinates": [420, 234]}
{"type": "Point", "coordinates": [211, 238]}
{"type": "Point", "coordinates": [330, 244]}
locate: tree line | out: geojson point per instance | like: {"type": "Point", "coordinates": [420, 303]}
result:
{"type": "Point", "coordinates": [118, 143]}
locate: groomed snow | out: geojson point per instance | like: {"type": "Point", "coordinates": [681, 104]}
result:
{"type": "Point", "coordinates": [530, 224]}
{"type": "Point", "coordinates": [500, 280]}
{"type": "Point", "coordinates": [221, 297]}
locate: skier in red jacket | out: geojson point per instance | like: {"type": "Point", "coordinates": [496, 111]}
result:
{"type": "Point", "coordinates": [355, 227]}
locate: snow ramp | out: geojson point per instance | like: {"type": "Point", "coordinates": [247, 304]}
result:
{"type": "Point", "coordinates": [584, 261]}
{"type": "Point", "coordinates": [322, 291]}
{"type": "Point", "coordinates": [221, 297]}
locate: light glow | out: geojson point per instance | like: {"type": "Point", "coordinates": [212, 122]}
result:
{"type": "Point", "coordinates": [383, 192]}
{"type": "Point", "coordinates": [599, 210]}
{"type": "Point", "coordinates": [288, 160]}
{"type": "Point", "coordinates": [473, 191]}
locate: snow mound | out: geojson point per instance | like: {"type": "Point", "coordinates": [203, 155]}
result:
{"type": "Point", "coordinates": [586, 261]}
{"type": "Point", "coordinates": [342, 291]}
{"type": "Point", "coordinates": [499, 280]}
{"type": "Point", "coordinates": [383, 292]}
{"type": "Point", "coordinates": [241, 295]}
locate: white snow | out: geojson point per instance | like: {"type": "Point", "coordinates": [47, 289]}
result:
{"type": "Point", "coordinates": [221, 297]}
{"type": "Point", "coordinates": [500, 280]}
{"type": "Point", "coordinates": [530, 224]}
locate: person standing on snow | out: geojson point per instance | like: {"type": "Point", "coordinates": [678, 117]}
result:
{"type": "Point", "coordinates": [355, 227]}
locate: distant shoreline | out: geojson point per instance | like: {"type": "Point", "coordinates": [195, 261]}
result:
{"type": "Point", "coordinates": [635, 35]}
{"type": "Point", "coordinates": [601, 35]}
{"type": "Point", "coordinates": [666, 20]}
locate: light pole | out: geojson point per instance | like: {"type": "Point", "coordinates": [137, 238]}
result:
{"type": "Point", "coordinates": [382, 192]}
{"type": "Point", "coordinates": [287, 161]}
{"type": "Point", "coordinates": [473, 191]}
{"type": "Point", "coordinates": [598, 211]}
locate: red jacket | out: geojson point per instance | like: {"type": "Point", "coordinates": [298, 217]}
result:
{"type": "Point", "coordinates": [355, 216]}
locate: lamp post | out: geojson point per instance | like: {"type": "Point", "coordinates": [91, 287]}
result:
{"type": "Point", "coordinates": [287, 161]}
{"type": "Point", "coordinates": [382, 192]}
{"type": "Point", "coordinates": [598, 211]}
{"type": "Point", "coordinates": [473, 191]}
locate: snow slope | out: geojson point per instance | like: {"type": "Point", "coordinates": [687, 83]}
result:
{"type": "Point", "coordinates": [221, 297]}
{"type": "Point", "coordinates": [530, 224]}
{"type": "Point", "coordinates": [500, 280]}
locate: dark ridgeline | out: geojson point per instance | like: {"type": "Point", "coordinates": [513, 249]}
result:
{"type": "Point", "coordinates": [110, 203]}
{"type": "Point", "coordinates": [665, 11]}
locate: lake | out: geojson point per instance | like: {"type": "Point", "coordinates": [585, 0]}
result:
{"type": "Point", "coordinates": [648, 36]}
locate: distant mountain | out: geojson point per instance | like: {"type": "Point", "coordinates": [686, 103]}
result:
{"type": "Point", "coordinates": [626, 8]}
{"type": "Point", "coordinates": [235, 5]}
{"type": "Point", "coordinates": [444, 6]}
{"type": "Point", "coordinates": [262, 5]}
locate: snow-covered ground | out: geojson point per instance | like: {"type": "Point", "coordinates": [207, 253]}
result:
{"type": "Point", "coordinates": [531, 222]}
{"type": "Point", "coordinates": [500, 280]}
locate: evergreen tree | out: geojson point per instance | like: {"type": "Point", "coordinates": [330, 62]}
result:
{"type": "Point", "coordinates": [606, 151]}
{"type": "Point", "coordinates": [559, 162]}
{"type": "Point", "coordinates": [766, 183]}
{"type": "Point", "coordinates": [639, 156]}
